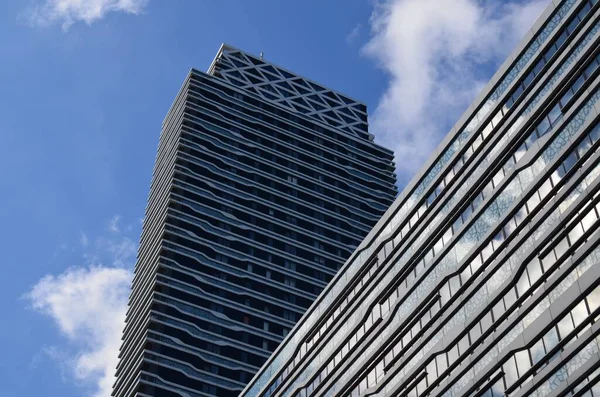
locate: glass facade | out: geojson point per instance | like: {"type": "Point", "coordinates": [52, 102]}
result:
{"type": "Point", "coordinates": [482, 279]}
{"type": "Point", "coordinates": [264, 184]}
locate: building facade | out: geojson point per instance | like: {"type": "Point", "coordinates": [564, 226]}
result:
{"type": "Point", "coordinates": [264, 184]}
{"type": "Point", "coordinates": [482, 277]}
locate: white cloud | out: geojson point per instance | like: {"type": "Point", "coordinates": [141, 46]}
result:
{"type": "Point", "coordinates": [439, 55]}
{"type": "Point", "coordinates": [88, 303]}
{"type": "Point", "coordinates": [113, 224]}
{"type": "Point", "coordinates": [123, 251]}
{"type": "Point", "coordinates": [83, 239]}
{"type": "Point", "coordinates": [353, 35]}
{"type": "Point", "coordinates": [68, 12]}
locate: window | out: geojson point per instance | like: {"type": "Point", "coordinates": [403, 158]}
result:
{"type": "Point", "coordinates": [290, 281]}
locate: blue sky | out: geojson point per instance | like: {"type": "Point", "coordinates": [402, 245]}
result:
{"type": "Point", "coordinates": [85, 86]}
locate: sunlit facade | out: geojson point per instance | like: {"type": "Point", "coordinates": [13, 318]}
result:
{"type": "Point", "coordinates": [264, 184]}
{"type": "Point", "coordinates": [482, 278]}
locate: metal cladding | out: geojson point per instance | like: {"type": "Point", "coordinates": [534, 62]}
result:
{"type": "Point", "coordinates": [264, 184]}
{"type": "Point", "coordinates": [482, 279]}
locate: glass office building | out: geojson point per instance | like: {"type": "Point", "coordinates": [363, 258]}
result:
{"type": "Point", "coordinates": [264, 184]}
{"type": "Point", "coordinates": [482, 277]}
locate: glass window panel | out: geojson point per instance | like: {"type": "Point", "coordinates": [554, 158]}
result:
{"type": "Point", "coordinates": [561, 247]}
{"type": "Point", "coordinates": [510, 164]}
{"type": "Point", "coordinates": [534, 270]}
{"type": "Point", "coordinates": [477, 141]}
{"type": "Point", "coordinates": [487, 251]}
{"type": "Point", "coordinates": [523, 361]}
{"type": "Point", "coordinates": [477, 200]}
{"type": "Point", "coordinates": [517, 93]}
{"type": "Point", "coordinates": [593, 299]}
{"type": "Point", "coordinates": [498, 239]}
{"type": "Point", "coordinates": [565, 326]}
{"type": "Point", "coordinates": [533, 202]}
{"type": "Point", "coordinates": [543, 126]}
{"type": "Point", "coordinates": [539, 66]}
{"type": "Point", "coordinates": [554, 114]}
{"type": "Point", "coordinates": [441, 362]}
{"type": "Point", "coordinates": [537, 351]}
{"type": "Point", "coordinates": [489, 188]}
{"type": "Point", "coordinates": [550, 52]}
{"type": "Point", "coordinates": [549, 260]}
{"type": "Point", "coordinates": [578, 83]}
{"type": "Point", "coordinates": [509, 102]}
{"type": "Point", "coordinates": [458, 165]}
{"type": "Point", "coordinates": [573, 24]}
{"type": "Point", "coordinates": [498, 177]}
{"type": "Point", "coordinates": [596, 389]}
{"type": "Point", "coordinates": [528, 79]}
{"type": "Point", "coordinates": [584, 146]}
{"type": "Point", "coordinates": [579, 313]}
{"type": "Point", "coordinates": [531, 139]}
{"type": "Point", "coordinates": [447, 236]}
{"type": "Point", "coordinates": [560, 172]}
{"type": "Point", "coordinates": [520, 151]}
{"type": "Point", "coordinates": [486, 322]}
{"type": "Point", "coordinates": [510, 371]}
{"type": "Point", "coordinates": [584, 10]}
{"type": "Point", "coordinates": [570, 161]}
{"type": "Point", "coordinates": [428, 256]}
{"type": "Point", "coordinates": [438, 246]}
{"type": "Point", "coordinates": [523, 284]}
{"type": "Point", "coordinates": [362, 386]}
{"type": "Point", "coordinates": [422, 386]}
{"type": "Point", "coordinates": [520, 215]}
{"type": "Point", "coordinates": [371, 379]}
{"type": "Point", "coordinates": [445, 292]}
{"type": "Point", "coordinates": [453, 354]}
{"type": "Point", "coordinates": [454, 285]}
{"type": "Point", "coordinates": [551, 339]}
{"type": "Point", "coordinates": [476, 263]}
{"type": "Point", "coordinates": [498, 310]}
{"type": "Point", "coordinates": [566, 97]}
{"type": "Point", "coordinates": [575, 233]}
{"type": "Point", "coordinates": [475, 332]}
{"type": "Point", "coordinates": [431, 369]}
{"type": "Point", "coordinates": [495, 121]}
{"type": "Point", "coordinates": [466, 274]}
{"type": "Point", "coordinates": [595, 133]}
{"type": "Point", "coordinates": [561, 39]}
{"type": "Point", "coordinates": [498, 388]}
{"type": "Point", "coordinates": [588, 220]}
{"type": "Point", "coordinates": [510, 298]}
{"type": "Point", "coordinates": [463, 344]}
{"type": "Point", "coordinates": [510, 227]}
{"type": "Point", "coordinates": [545, 189]}
{"type": "Point", "coordinates": [591, 68]}
{"type": "Point", "coordinates": [448, 178]}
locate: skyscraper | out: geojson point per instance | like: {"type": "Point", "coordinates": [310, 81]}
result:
{"type": "Point", "coordinates": [482, 279]}
{"type": "Point", "coordinates": [264, 183]}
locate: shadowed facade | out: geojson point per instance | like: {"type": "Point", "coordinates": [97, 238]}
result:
{"type": "Point", "coordinates": [264, 184]}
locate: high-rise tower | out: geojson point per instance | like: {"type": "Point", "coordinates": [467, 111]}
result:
{"type": "Point", "coordinates": [264, 184]}
{"type": "Point", "coordinates": [483, 277]}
